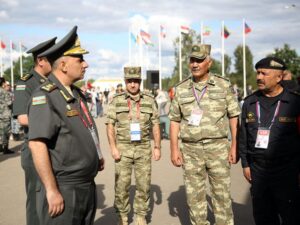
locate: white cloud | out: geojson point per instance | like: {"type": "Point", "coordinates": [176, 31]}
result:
{"type": "Point", "coordinates": [3, 14]}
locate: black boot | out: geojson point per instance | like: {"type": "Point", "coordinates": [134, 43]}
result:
{"type": "Point", "coordinates": [6, 150]}
{"type": "Point", "coordinates": [1, 148]}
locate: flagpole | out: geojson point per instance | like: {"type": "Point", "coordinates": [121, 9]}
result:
{"type": "Point", "coordinates": [244, 59]}
{"type": "Point", "coordinates": [1, 62]}
{"type": "Point", "coordinates": [129, 46]}
{"type": "Point", "coordinates": [141, 60]}
{"type": "Point", "coordinates": [21, 62]}
{"type": "Point", "coordinates": [223, 42]}
{"type": "Point", "coordinates": [180, 66]}
{"type": "Point", "coordinates": [201, 33]}
{"type": "Point", "coordinates": [159, 57]}
{"type": "Point", "coordinates": [11, 67]}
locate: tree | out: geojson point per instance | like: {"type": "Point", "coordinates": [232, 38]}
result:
{"type": "Point", "coordinates": [237, 76]}
{"type": "Point", "coordinates": [289, 57]}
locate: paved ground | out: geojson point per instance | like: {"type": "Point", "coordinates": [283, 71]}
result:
{"type": "Point", "coordinates": [168, 203]}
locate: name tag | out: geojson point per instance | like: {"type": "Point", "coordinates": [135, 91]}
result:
{"type": "Point", "coordinates": [135, 132]}
{"type": "Point", "coordinates": [262, 139]}
{"type": "Point", "coordinates": [72, 112]}
{"type": "Point", "coordinates": [196, 117]}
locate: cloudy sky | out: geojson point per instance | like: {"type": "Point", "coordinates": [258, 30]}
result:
{"type": "Point", "coordinates": [103, 27]}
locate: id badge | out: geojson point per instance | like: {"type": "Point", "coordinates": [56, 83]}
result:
{"type": "Point", "coordinates": [262, 139]}
{"type": "Point", "coordinates": [96, 141]}
{"type": "Point", "coordinates": [135, 132]}
{"type": "Point", "coordinates": [196, 117]}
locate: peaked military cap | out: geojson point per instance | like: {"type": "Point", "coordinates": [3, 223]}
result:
{"type": "Point", "coordinates": [270, 63]}
{"type": "Point", "coordinates": [68, 46]}
{"type": "Point", "coordinates": [200, 51]}
{"type": "Point", "coordinates": [132, 72]}
{"type": "Point", "coordinates": [41, 47]}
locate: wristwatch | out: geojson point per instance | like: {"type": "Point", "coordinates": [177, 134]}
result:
{"type": "Point", "coordinates": [158, 147]}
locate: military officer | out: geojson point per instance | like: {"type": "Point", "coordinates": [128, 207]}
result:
{"type": "Point", "coordinates": [63, 139]}
{"type": "Point", "coordinates": [203, 108]}
{"type": "Point", "coordinates": [22, 96]}
{"type": "Point", "coordinates": [5, 117]}
{"type": "Point", "coordinates": [269, 146]}
{"type": "Point", "coordinates": [130, 116]}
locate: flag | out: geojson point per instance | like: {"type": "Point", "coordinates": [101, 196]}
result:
{"type": "Point", "coordinates": [226, 32]}
{"type": "Point", "coordinates": [206, 31]}
{"type": "Point", "coordinates": [23, 47]}
{"type": "Point", "coordinates": [133, 38]}
{"type": "Point", "coordinates": [247, 29]}
{"type": "Point", "coordinates": [184, 29]}
{"type": "Point", "coordinates": [13, 46]}
{"type": "Point", "coordinates": [3, 46]}
{"type": "Point", "coordinates": [162, 32]}
{"type": "Point", "coordinates": [146, 37]}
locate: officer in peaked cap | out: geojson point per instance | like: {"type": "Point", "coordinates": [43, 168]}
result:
{"type": "Point", "coordinates": [65, 148]}
{"type": "Point", "coordinates": [269, 143]}
{"type": "Point", "coordinates": [22, 95]}
{"type": "Point", "coordinates": [201, 112]}
{"type": "Point", "coordinates": [130, 116]}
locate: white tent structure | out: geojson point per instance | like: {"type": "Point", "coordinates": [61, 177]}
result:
{"type": "Point", "coordinates": [107, 83]}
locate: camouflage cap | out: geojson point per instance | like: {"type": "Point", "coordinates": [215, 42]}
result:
{"type": "Point", "coordinates": [200, 51]}
{"type": "Point", "coordinates": [270, 63]}
{"type": "Point", "coordinates": [132, 72]}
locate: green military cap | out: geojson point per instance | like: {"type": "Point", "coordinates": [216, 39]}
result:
{"type": "Point", "coordinates": [41, 47]}
{"type": "Point", "coordinates": [132, 72]}
{"type": "Point", "coordinates": [270, 63]}
{"type": "Point", "coordinates": [200, 51]}
{"type": "Point", "coordinates": [68, 46]}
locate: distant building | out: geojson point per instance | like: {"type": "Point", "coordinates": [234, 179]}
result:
{"type": "Point", "coordinates": [106, 83]}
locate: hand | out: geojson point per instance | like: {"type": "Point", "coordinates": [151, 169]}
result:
{"type": "Point", "coordinates": [247, 174]}
{"type": "Point", "coordinates": [176, 158]}
{"type": "Point", "coordinates": [55, 203]}
{"type": "Point", "coordinates": [116, 154]}
{"type": "Point", "coordinates": [101, 164]}
{"type": "Point", "coordinates": [233, 156]}
{"type": "Point", "coordinates": [156, 154]}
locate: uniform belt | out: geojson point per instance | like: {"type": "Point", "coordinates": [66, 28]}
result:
{"type": "Point", "coordinates": [204, 141]}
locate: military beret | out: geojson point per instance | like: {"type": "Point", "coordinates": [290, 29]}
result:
{"type": "Point", "coordinates": [41, 47]}
{"type": "Point", "coordinates": [132, 72]}
{"type": "Point", "coordinates": [200, 51]}
{"type": "Point", "coordinates": [270, 63]}
{"type": "Point", "coordinates": [68, 46]}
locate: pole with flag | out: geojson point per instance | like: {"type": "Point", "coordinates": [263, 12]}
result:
{"type": "Point", "coordinates": [223, 41]}
{"type": "Point", "coordinates": [201, 33]}
{"type": "Point", "coordinates": [185, 30]}
{"type": "Point", "coordinates": [162, 34]}
{"type": "Point", "coordinates": [12, 46]}
{"type": "Point", "coordinates": [129, 46]}
{"type": "Point", "coordinates": [21, 60]}
{"type": "Point", "coordinates": [246, 30]}
{"type": "Point", "coordinates": [2, 46]}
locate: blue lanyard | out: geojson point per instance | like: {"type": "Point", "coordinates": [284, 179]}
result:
{"type": "Point", "coordinates": [274, 116]}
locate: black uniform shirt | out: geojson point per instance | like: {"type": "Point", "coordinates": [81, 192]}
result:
{"type": "Point", "coordinates": [284, 140]}
{"type": "Point", "coordinates": [56, 117]}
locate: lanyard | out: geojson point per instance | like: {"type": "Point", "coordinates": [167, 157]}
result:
{"type": "Point", "coordinates": [137, 109]}
{"type": "Point", "coordinates": [198, 99]}
{"type": "Point", "coordinates": [274, 116]}
{"type": "Point", "coordinates": [85, 111]}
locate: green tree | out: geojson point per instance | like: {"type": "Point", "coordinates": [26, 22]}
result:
{"type": "Point", "coordinates": [237, 76]}
{"type": "Point", "coordinates": [290, 58]}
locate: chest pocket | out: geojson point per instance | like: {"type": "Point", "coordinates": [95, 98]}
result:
{"type": "Point", "coordinates": [146, 113]}
{"type": "Point", "coordinates": [186, 105]}
{"type": "Point", "coordinates": [217, 101]}
{"type": "Point", "coordinates": [122, 114]}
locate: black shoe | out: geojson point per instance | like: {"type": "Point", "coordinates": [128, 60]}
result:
{"type": "Point", "coordinates": [7, 151]}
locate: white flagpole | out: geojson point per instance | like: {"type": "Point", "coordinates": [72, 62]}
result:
{"type": "Point", "coordinates": [180, 66]}
{"type": "Point", "coordinates": [1, 62]}
{"type": "Point", "coordinates": [201, 33]}
{"type": "Point", "coordinates": [223, 50]}
{"type": "Point", "coordinates": [159, 57]}
{"type": "Point", "coordinates": [129, 45]}
{"type": "Point", "coordinates": [244, 59]}
{"type": "Point", "coordinates": [21, 62]}
{"type": "Point", "coordinates": [141, 59]}
{"type": "Point", "coordinates": [11, 67]}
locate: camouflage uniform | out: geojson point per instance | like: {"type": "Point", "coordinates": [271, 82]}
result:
{"type": "Point", "coordinates": [205, 148]}
{"type": "Point", "coordinates": [134, 155]}
{"type": "Point", "coordinates": [5, 117]}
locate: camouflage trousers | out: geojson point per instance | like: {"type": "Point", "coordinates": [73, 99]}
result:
{"type": "Point", "coordinates": [135, 157]}
{"type": "Point", "coordinates": [208, 158]}
{"type": "Point", "coordinates": [5, 128]}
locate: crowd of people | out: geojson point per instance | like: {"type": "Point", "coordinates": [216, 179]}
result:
{"type": "Point", "coordinates": [61, 154]}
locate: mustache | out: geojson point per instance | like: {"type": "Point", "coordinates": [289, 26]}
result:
{"type": "Point", "coordinates": [259, 82]}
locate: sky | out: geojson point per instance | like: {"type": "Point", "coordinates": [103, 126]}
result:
{"type": "Point", "coordinates": [104, 26]}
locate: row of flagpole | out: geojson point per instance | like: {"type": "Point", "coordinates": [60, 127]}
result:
{"type": "Point", "coordinates": [144, 37]}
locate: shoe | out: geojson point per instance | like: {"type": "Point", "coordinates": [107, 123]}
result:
{"type": "Point", "coordinates": [7, 151]}
{"type": "Point", "coordinates": [123, 220]}
{"type": "Point", "coordinates": [140, 220]}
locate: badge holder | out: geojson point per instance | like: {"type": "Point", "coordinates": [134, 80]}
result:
{"type": "Point", "coordinates": [262, 138]}
{"type": "Point", "coordinates": [135, 131]}
{"type": "Point", "coordinates": [195, 117]}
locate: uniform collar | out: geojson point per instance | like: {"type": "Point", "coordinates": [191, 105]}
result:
{"type": "Point", "coordinates": [127, 95]}
{"type": "Point", "coordinates": [258, 94]}
{"type": "Point", "coordinates": [67, 96]}
{"type": "Point", "coordinates": [210, 81]}
{"type": "Point", "coordinates": [38, 76]}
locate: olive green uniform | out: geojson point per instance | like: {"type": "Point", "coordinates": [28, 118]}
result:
{"type": "Point", "coordinates": [205, 148]}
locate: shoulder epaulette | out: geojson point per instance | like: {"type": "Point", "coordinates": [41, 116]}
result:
{"type": "Point", "coordinates": [148, 94]}
{"type": "Point", "coordinates": [26, 77]}
{"type": "Point", "coordinates": [184, 80]}
{"type": "Point", "coordinates": [219, 76]}
{"type": "Point", "coordinates": [47, 86]}
{"type": "Point", "coordinates": [118, 94]}
{"type": "Point", "coordinates": [248, 96]}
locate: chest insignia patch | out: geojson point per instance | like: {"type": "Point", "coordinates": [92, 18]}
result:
{"type": "Point", "coordinates": [250, 117]}
{"type": "Point", "coordinates": [72, 112]}
{"type": "Point", "coordinates": [20, 87]}
{"type": "Point", "coordinates": [39, 100]}
{"type": "Point", "coordinates": [283, 119]}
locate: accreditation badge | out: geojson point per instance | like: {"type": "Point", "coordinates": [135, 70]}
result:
{"type": "Point", "coordinates": [135, 132]}
{"type": "Point", "coordinates": [96, 141]}
{"type": "Point", "coordinates": [262, 138]}
{"type": "Point", "coordinates": [196, 117]}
